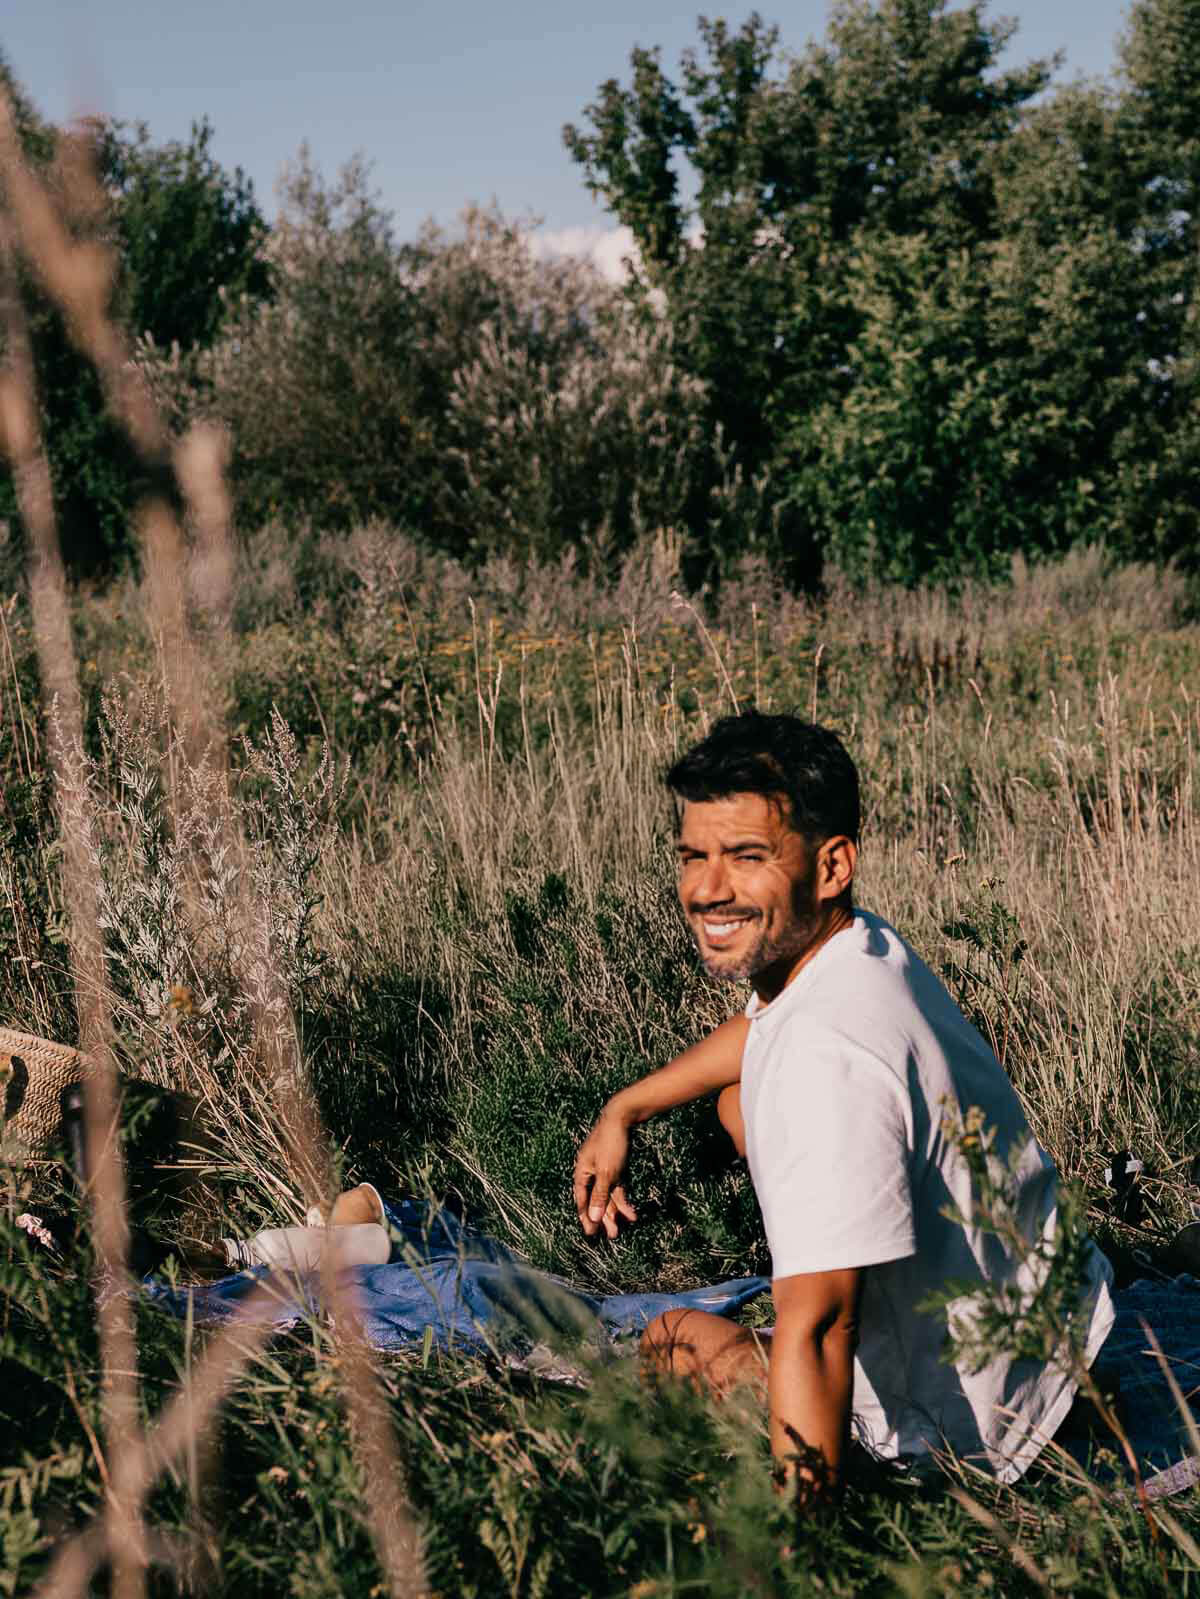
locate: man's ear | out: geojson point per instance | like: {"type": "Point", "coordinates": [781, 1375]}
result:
{"type": "Point", "coordinates": [837, 859]}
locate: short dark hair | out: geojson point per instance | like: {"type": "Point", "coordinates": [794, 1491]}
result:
{"type": "Point", "coordinates": [779, 757]}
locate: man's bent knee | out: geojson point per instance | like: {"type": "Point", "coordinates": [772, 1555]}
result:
{"type": "Point", "coordinates": [664, 1346]}
{"type": "Point", "coordinates": [707, 1348]}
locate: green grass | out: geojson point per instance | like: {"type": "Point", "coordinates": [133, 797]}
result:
{"type": "Point", "coordinates": [475, 925]}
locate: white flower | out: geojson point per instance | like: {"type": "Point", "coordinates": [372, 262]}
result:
{"type": "Point", "coordinates": [34, 1226]}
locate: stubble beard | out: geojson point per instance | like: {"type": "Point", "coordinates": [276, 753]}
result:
{"type": "Point", "coordinates": [783, 948]}
{"type": "Point", "coordinates": [766, 951]}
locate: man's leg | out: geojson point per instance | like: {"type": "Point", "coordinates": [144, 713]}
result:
{"type": "Point", "coordinates": [729, 1110]}
{"type": "Point", "coordinates": [707, 1348]}
{"type": "Point", "coordinates": [695, 1343]}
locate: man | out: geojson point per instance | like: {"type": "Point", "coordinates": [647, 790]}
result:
{"type": "Point", "coordinates": [854, 1058]}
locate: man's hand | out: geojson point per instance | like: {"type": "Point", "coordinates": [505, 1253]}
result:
{"type": "Point", "coordinates": [599, 1197]}
{"type": "Point", "coordinates": [712, 1064]}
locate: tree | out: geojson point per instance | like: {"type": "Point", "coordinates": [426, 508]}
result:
{"type": "Point", "coordinates": [888, 130]}
{"type": "Point", "coordinates": [187, 233]}
{"type": "Point", "coordinates": [1002, 397]}
{"type": "Point", "coordinates": [944, 314]}
{"type": "Point", "coordinates": [459, 385]}
{"type": "Point", "coordinates": [1159, 126]}
{"type": "Point", "coordinates": [315, 385]}
{"type": "Point", "coordinates": [568, 421]}
{"type": "Point", "coordinates": [190, 234]}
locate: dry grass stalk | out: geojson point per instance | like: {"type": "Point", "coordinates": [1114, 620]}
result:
{"type": "Point", "coordinates": [78, 276]}
{"type": "Point", "coordinates": [394, 1530]}
{"type": "Point", "coordinates": [182, 1420]}
{"type": "Point", "coordinates": [56, 661]}
{"type": "Point", "coordinates": [201, 458]}
{"type": "Point", "coordinates": [1021, 1558]}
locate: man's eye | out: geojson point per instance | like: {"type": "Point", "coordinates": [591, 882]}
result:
{"type": "Point", "coordinates": [744, 855]}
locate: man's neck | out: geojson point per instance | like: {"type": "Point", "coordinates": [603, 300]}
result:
{"type": "Point", "coordinates": [771, 982]}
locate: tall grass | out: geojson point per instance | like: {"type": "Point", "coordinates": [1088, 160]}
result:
{"type": "Point", "coordinates": [60, 248]}
{"type": "Point", "coordinates": [414, 922]}
{"type": "Point", "coordinates": [489, 948]}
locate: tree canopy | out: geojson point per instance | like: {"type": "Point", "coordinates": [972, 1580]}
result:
{"type": "Point", "coordinates": [189, 240]}
{"type": "Point", "coordinates": [900, 307]}
{"type": "Point", "coordinates": [942, 306]}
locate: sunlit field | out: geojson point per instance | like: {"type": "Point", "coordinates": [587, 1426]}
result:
{"type": "Point", "coordinates": [453, 785]}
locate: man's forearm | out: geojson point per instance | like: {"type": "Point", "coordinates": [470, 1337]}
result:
{"type": "Point", "coordinates": [712, 1064]}
{"type": "Point", "coordinates": [810, 1388]}
{"type": "Point", "coordinates": [672, 1085]}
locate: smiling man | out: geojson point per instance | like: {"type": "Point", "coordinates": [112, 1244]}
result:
{"type": "Point", "coordinates": [851, 1056]}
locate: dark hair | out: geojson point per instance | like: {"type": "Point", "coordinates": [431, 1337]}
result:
{"type": "Point", "coordinates": [779, 757]}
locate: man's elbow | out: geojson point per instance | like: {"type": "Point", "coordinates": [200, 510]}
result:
{"type": "Point", "coordinates": [834, 1335]}
{"type": "Point", "coordinates": [828, 1321]}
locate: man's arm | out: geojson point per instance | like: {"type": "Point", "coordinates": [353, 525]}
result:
{"type": "Point", "coordinates": [810, 1379]}
{"type": "Point", "coordinates": [714, 1063]}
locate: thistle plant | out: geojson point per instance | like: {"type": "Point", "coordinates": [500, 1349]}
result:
{"type": "Point", "coordinates": [289, 817]}
{"type": "Point", "coordinates": [1036, 1314]}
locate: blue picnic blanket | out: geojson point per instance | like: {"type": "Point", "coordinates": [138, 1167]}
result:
{"type": "Point", "coordinates": [456, 1286]}
{"type": "Point", "coordinates": [1160, 1311]}
{"type": "Point", "coordinates": [467, 1292]}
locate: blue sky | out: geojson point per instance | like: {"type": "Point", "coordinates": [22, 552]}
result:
{"type": "Point", "coordinates": [452, 100]}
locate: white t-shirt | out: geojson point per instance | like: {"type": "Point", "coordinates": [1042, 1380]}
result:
{"type": "Point", "coordinates": [847, 1077]}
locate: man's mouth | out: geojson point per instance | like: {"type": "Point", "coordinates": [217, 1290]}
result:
{"type": "Point", "coordinates": [719, 930]}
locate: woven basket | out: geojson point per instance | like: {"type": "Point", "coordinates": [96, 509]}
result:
{"type": "Point", "coordinates": [33, 1074]}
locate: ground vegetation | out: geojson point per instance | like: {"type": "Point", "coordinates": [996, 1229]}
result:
{"type": "Point", "coordinates": [455, 784]}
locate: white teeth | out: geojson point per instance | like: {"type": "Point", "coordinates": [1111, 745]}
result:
{"type": "Point", "coordinates": [719, 929]}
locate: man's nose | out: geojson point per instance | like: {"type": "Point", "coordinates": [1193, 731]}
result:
{"type": "Point", "coordinates": [712, 885]}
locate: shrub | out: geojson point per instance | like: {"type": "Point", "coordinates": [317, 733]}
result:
{"type": "Point", "coordinates": [505, 404]}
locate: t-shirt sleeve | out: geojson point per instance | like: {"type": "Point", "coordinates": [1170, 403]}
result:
{"type": "Point", "coordinates": [831, 1151]}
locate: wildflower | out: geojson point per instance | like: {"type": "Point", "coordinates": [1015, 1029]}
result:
{"type": "Point", "coordinates": [181, 1000]}
{"type": "Point", "coordinates": [36, 1228]}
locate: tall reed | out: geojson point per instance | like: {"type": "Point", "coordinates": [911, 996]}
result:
{"type": "Point", "coordinates": [76, 272]}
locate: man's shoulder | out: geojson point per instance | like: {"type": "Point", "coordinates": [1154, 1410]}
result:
{"type": "Point", "coordinates": [869, 988]}
{"type": "Point", "coordinates": [878, 939]}
{"type": "Point", "coordinates": [868, 958]}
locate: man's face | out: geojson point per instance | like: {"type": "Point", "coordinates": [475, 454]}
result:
{"type": "Point", "coordinates": [747, 884]}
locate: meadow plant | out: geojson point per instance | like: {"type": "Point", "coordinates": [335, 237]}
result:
{"type": "Point", "coordinates": [75, 271]}
{"type": "Point", "coordinates": [505, 403]}
{"type": "Point", "coordinates": [1034, 1319]}
{"type": "Point", "coordinates": [498, 952]}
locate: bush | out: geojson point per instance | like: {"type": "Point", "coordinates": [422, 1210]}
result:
{"type": "Point", "coordinates": [503, 404]}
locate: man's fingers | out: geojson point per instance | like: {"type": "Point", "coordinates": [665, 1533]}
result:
{"type": "Point", "coordinates": [596, 1181]}
{"type": "Point", "coordinates": [618, 1206]}
{"type": "Point", "coordinates": [598, 1203]}
{"type": "Point", "coordinates": [582, 1186]}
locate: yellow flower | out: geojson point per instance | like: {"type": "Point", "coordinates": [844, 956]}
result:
{"type": "Point", "coordinates": [181, 1000]}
